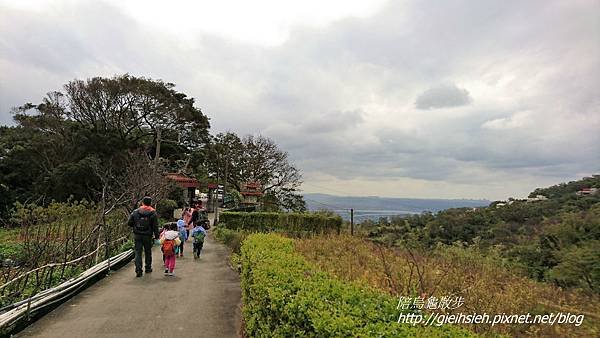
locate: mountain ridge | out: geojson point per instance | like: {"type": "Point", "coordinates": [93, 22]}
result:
{"type": "Point", "coordinates": [316, 201]}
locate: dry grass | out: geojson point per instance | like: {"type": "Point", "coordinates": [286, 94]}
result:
{"type": "Point", "coordinates": [486, 285]}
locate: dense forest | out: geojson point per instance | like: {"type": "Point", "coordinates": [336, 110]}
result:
{"type": "Point", "coordinates": [553, 236]}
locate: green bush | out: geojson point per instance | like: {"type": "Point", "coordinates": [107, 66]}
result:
{"type": "Point", "coordinates": [10, 246]}
{"type": "Point", "coordinates": [165, 208]}
{"type": "Point", "coordinates": [129, 244]}
{"type": "Point", "coordinates": [232, 238]}
{"type": "Point", "coordinates": [289, 222]}
{"type": "Point", "coordinates": [13, 251]}
{"type": "Point", "coordinates": [579, 266]}
{"type": "Point", "coordinates": [285, 296]}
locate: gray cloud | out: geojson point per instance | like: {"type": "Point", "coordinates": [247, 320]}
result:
{"type": "Point", "coordinates": [331, 122]}
{"type": "Point", "coordinates": [443, 96]}
{"type": "Point", "coordinates": [356, 101]}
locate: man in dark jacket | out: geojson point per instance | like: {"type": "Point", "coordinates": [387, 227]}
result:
{"type": "Point", "coordinates": [144, 223]}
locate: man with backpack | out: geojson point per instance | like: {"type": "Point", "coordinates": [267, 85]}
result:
{"type": "Point", "coordinates": [144, 224]}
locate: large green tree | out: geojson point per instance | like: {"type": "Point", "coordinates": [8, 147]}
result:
{"type": "Point", "coordinates": [60, 144]}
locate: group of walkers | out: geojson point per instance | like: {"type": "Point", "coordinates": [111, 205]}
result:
{"type": "Point", "coordinates": [172, 238]}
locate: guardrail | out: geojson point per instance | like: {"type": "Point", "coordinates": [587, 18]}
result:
{"type": "Point", "coordinates": [27, 308]}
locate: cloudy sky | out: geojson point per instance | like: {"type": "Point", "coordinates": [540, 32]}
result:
{"type": "Point", "coordinates": [451, 99]}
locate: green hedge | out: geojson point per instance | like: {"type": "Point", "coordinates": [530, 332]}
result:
{"type": "Point", "coordinates": [285, 296]}
{"type": "Point", "coordinates": [273, 221]}
{"type": "Point", "coordinates": [232, 238]}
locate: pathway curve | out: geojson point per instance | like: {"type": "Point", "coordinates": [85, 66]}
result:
{"type": "Point", "coordinates": [201, 300]}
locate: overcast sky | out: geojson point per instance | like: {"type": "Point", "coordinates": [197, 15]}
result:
{"type": "Point", "coordinates": [449, 99]}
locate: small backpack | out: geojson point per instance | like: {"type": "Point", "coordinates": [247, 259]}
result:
{"type": "Point", "coordinates": [199, 237]}
{"type": "Point", "coordinates": [143, 223]}
{"type": "Point", "coordinates": [168, 247]}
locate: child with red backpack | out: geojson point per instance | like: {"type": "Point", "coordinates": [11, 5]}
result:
{"type": "Point", "coordinates": [168, 243]}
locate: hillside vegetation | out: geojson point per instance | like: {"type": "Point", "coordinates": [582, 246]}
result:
{"type": "Point", "coordinates": [556, 240]}
{"type": "Point", "coordinates": [485, 282]}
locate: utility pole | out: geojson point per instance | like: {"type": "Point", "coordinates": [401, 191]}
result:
{"type": "Point", "coordinates": [216, 221]}
{"type": "Point", "coordinates": [352, 222]}
{"type": "Point", "coordinates": [225, 182]}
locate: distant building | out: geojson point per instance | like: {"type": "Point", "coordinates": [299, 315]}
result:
{"type": "Point", "coordinates": [537, 198]}
{"type": "Point", "coordinates": [587, 192]}
{"type": "Point", "coordinates": [188, 184]}
{"type": "Point", "coordinates": [251, 191]}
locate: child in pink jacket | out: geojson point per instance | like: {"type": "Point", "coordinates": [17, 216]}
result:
{"type": "Point", "coordinates": [169, 242]}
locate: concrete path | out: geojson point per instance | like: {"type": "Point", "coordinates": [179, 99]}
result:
{"type": "Point", "coordinates": [201, 300]}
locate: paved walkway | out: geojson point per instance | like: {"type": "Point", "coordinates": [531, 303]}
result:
{"type": "Point", "coordinates": [201, 300]}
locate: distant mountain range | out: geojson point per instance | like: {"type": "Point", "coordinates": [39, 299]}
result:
{"type": "Point", "coordinates": [373, 207]}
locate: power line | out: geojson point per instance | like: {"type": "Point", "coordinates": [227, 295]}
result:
{"type": "Point", "coordinates": [327, 205]}
{"type": "Point", "coordinates": [333, 190]}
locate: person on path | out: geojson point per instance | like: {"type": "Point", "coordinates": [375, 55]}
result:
{"type": "Point", "coordinates": [160, 238]}
{"type": "Point", "coordinates": [202, 213]}
{"type": "Point", "coordinates": [193, 219]}
{"type": "Point", "coordinates": [183, 236]}
{"type": "Point", "coordinates": [166, 227]}
{"type": "Point", "coordinates": [144, 224]}
{"type": "Point", "coordinates": [187, 215]}
{"type": "Point", "coordinates": [199, 234]}
{"type": "Point", "coordinates": [168, 246]}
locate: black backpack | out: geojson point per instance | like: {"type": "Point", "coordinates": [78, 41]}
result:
{"type": "Point", "coordinates": [143, 222]}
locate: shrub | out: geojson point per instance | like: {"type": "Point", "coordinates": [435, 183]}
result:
{"type": "Point", "coordinates": [298, 223]}
{"type": "Point", "coordinates": [165, 208]}
{"type": "Point", "coordinates": [129, 244]}
{"type": "Point", "coordinates": [579, 266]}
{"type": "Point", "coordinates": [10, 245]}
{"type": "Point", "coordinates": [285, 296]}
{"type": "Point", "coordinates": [232, 238]}
{"type": "Point", "coordinates": [60, 232]}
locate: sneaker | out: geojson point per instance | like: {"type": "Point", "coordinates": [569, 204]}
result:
{"type": "Point", "coordinates": [148, 270]}
{"type": "Point", "coordinates": [171, 274]}
{"type": "Point", "coordinates": [138, 274]}
{"type": "Point", "coordinates": [166, 272]}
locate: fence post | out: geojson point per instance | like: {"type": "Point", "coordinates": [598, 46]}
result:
{"type": "Point", "coordinates": [352, 222]}
{"type": "Point", "coordinates": [107, 243]}
{"type": "Point", "coordinates": [98, 245]}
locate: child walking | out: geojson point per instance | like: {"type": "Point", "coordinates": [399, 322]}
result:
{"type": "Point", "coordinates": [183, 236]}
{"type": "Point", "coordinates": [164, 230]}
{"type": "Point", "coordinates": [198, 233]}
{"type": "Point", "coordinates": [168, 243]}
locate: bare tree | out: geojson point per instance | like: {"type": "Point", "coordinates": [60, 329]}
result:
{"type": "Point", "coordinates": [142, 176]}
{"type": "Point", "coordinates": [255, 159]}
